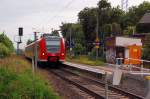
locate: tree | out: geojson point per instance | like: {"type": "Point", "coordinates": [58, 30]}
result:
{"type": "Point", "coordinates": [29, 41]}
{"type": "Point", "coordinates": [87, 18]}
{"type": "Point", "coordinates": [79, 49]}
{"type": "Point", "coordinates": [116, 15]}
{"type": "Point", "coordinates": [65, 29]}
{"type": "Point", "coordinates": [135, 13]}
{"type": "Point", "coordinates": [74, 33]}
{"type": "Point", "coordinates": [116, 29]}
{"type": "Point", "coordinates": [104, 9]}
{"type": "Point", "coordinates": [146, 48]}
{"type": "Point", "coordinates": [107, 30]}
{"type": "Point", "coordinates": [4, 51]}
{"type": "Point", "coordinates": [7, 42]}
{"type": "Point", "coordinates": [55, 33]}
{"type": "Point", "coordinates": [6, 46]}
{"type": "Point", "coordinates": [130, 30]}
{"type": "Point", "coordinates": [73, 30]}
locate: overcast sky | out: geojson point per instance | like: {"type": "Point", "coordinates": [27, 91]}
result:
{"type": "Point", "coordinates": [42, 15]}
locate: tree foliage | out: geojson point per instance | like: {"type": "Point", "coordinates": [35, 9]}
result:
{"type": "Point", "coordinates": [146, 49]}
{"type": "Point", "coordinates": [105, 16]}
{"type": "Point", "coordinates": [29, 41]}
{"type": "Point", "coordinates": [6, 46]}
{"type": "Point", "coordinates": [4, 51]}
{"type": "Point", "coordinates": [87, 18]}
{"type": "Point", "coordinates": [74, 36]}
{"type": "Point", "coordinates": [7, 42]}
{"type": "Point", "coordinates": [111, 21]}
{"type": "Point", "coordinates": [55, 33]}
{"type": "Point", "coordinates": [79, 49]}
{"type": "Point", "coordinates": [135, 13]}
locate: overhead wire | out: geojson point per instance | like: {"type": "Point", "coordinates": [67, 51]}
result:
{"type": "Point", "coordinates": [67, 5]}
{"type": "Point", "coordinates": [46, 17]}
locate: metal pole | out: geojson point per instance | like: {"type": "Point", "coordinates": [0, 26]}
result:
{"type": "Point", "coordinates": [33, 65]}
{"type": "Point", "coordinates": [35, 49]}
{"type": "Point", "coordinates": [97, 29]}
{"type": "Point", "coordinates": [142, 69]}
{"type": "Point", "coordinates": [70, 37]}
{"type": "Point", "coordinates": [96, 53]}
{"type": "Point", "coordinates": [70, 43]}
{"type": "Point", "coordinates": [106, 86]}
{"type": "Point", "coordinates": [102, 34]}
{"type": "Point", "coordinates": [17, 48]}
{"type": "Point", "coordinates": [130, 65]}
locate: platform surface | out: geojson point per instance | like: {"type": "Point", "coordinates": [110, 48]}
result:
{"type": "Point", "coordinates": [109, 68]}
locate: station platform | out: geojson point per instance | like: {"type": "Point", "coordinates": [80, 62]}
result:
{"type": "Point", "coordinates": [109, 68]}
{"type": "Point", "coordinates": [85, 67]}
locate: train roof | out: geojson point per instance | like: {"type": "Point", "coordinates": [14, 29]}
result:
{"type": "Point", "coordinates": [50, 36]}
{"type": "Point", "coordinates": [145, 19]}
{"type": "Point", "coordinates": [44, 36]}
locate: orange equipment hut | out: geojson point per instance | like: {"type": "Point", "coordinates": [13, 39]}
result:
{"type": "Point", "coordinates": [130, 49]}
{"type": "Point", "coordinates": [135, 53]}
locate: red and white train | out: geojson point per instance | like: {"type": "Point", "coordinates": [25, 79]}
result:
{"type": "Point", "coordinates": [49, 49]}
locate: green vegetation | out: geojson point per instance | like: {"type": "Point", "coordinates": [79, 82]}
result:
{"type": "Point", "coordinates": [18, 82]}
{"type": "Point", "coordinates": [86, 60]}
{"type": "Point", "coordinates": [4, 51]}
{"type": "Point", "coordinates": [6, 46]}
{"type": "Point", "coordinates": [146, 49]}
{"type": "Point", "coordinates": [29, 41]}
{"type": "Point", "coordinates": [112, 21]}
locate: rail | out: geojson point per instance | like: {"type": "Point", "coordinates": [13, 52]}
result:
{"type": "Point", "coordinates": [113, 91]}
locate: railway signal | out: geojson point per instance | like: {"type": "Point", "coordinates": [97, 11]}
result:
{"type": "Point", "coordinates": [20, 33]}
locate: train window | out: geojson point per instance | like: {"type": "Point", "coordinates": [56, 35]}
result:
{"type": "Point", "coordinates": [53, 45]}
{"type": "Point", "coordinates": [53, 42]}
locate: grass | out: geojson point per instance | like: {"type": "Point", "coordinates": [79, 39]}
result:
{"type": "Point", "coordinates": [18, 82]}
{"type": "Point", "coordinates": [85, 60]}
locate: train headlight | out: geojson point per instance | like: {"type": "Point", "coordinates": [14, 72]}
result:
{"type": "Point", "coordinates": [43, 54]}
{"type": "Point", "coordinates": [62, 54]}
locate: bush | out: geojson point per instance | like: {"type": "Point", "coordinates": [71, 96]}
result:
{"type": "Point", "coordinates": [18, 82]}
{"type": "Point", "coordinates": [23, 86]}
{"type": "Point", "coordinates": [6, 46]}
{"type": "Point", "coordinates": [4, 51]}
{"type": "Point", "coordinates": [92, 54]}
{"type": "Point", "coordinates": [79, 49]}
{"type": "Point", "coordinates": [146, 48]}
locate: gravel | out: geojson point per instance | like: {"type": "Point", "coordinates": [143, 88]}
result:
{"type": "Point", "coordinates": [63, 88]}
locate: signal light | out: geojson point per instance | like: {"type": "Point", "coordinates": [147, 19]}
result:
{"type": "Point", "coordinates": [62, 54]}
{"type": "Point", "coordinates": [20, 31]}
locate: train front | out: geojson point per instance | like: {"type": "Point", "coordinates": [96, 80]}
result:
{"type": "Point", "coordinates": [54, 49]}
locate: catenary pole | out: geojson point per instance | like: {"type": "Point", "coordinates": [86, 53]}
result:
{"type": "Point", "coordinates": [97, 29]}
{"type": "Point", "coordinates": [35, 51]}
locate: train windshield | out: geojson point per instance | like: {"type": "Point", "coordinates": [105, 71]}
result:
{"type": "Point", "coordinates": [53, 45]}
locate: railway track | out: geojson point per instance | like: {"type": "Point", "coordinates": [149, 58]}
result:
{"type": "Point", "coordinates": [93, 87]}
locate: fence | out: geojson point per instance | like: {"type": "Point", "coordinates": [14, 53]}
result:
{"type": "Point", "coordinates": [119, 63]}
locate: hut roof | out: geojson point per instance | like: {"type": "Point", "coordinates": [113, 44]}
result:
{"type": "Point", "coordinates": [145, 19]}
